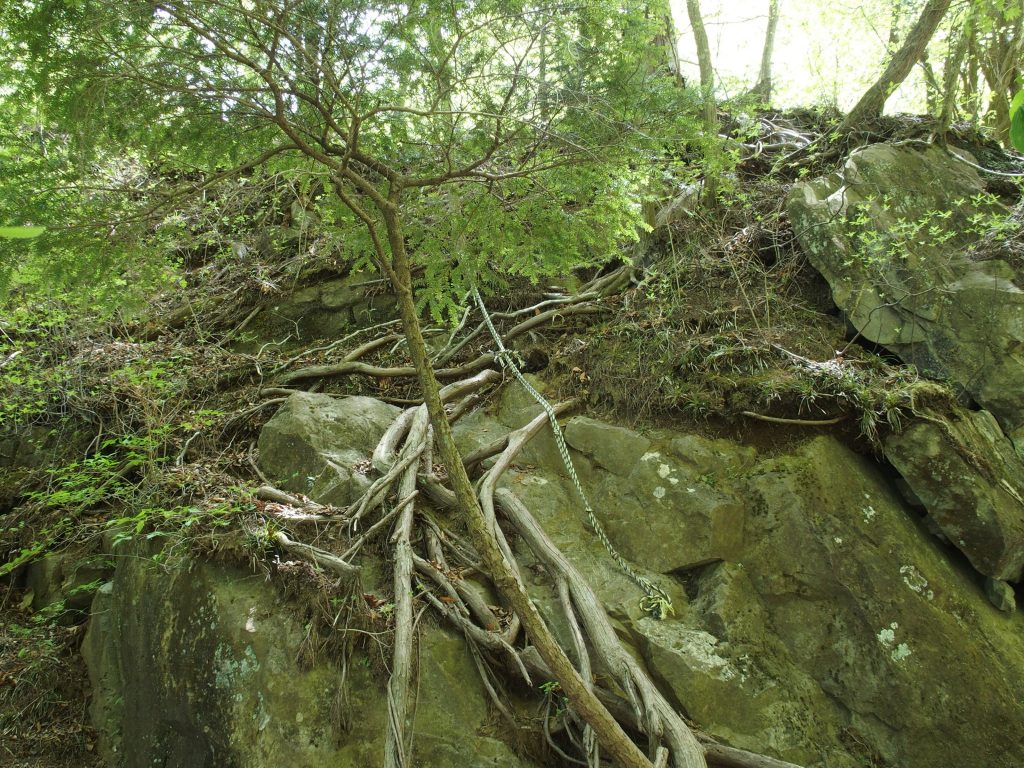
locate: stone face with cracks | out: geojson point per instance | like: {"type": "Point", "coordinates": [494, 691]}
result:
{"type": "Point", "coordinates": [196, 667]}
{"type": "Point", "coordinates": [816, 618]}
{"type": "Point", "coordinates": [967, 475]}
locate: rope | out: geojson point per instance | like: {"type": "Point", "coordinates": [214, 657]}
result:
{"type": "Point", "coordinates": [656, 602]}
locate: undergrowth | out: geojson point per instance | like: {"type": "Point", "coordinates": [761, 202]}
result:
{"type": "Point", "coordinates": [43, 717]}
{"type": "Point", "coordinates": [730, 324]}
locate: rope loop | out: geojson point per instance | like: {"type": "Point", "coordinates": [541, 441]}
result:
{"type": "Point", "coordinates": [656, 602]}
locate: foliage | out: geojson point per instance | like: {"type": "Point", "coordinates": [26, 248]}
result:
{"type": "Point", "coordinates": [1017, 121]}
{"type": "Point", "coordinates": [20, 233]}
{"type": "Point", "coordinates": [507, 172]}
{"type": "Point", "coordinates": [980, 222]}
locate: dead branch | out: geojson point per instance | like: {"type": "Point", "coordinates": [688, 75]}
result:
{"type": "Point", "coordinates": [318, 556]}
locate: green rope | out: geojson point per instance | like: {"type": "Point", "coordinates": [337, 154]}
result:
{"type": "Point", "coordinates": [656, 602]}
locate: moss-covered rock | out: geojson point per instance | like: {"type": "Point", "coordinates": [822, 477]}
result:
{"type": "Point", "coordinates": [918, 666]}
{"type": "Point", "coordinates": [195, 666]}
{"type": "Point", "coordinates": [314, 442]}
{"type": "Point", "coordinates": [967, 475]}
{"type": "Point", "coordinates": [892, 233]}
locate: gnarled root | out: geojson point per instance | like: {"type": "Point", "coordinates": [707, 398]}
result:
{"type": "Point", "coordinates": [407, 486]}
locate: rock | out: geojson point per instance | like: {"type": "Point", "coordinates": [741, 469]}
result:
{"type": "Point", "coordinates": [922, 672]}
{"type": "Point", "coordinates": [1001, 595]}
{"type": "Point", "coordinates": [65, 582]}
{"type": "Point", "coordinates": [667, 516]}
{"type": "Point", "coordinates": [969, 478]}
{"type": "Point", "coordinates": [816, 618]}
{"type": "Point", "coordinates": [32, 446]}
{"type": "Point", "coordinates": [195, 666]}
{"type": "Point", "coordinates": [735, 674]}
{"type": "Point", "coordinates": [310, 430]}
{"type": "Point", "coordinates": [891, 233]}
{"type": "Point", "coordinates": [613, 448]}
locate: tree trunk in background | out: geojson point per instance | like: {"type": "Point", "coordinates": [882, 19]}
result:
{"type": "Point", "coordinates": [873, 101]}
{"type": "Point", "coordinates": [671, 44]}
{"type": "Point", "coordinates": [762, 90]}
{"type": "Point", "coordinates": [950, 77]}
{"type": "Point", "coordinates": [932, 88]}
{"type": "Point", "coordinates": [707, 93]}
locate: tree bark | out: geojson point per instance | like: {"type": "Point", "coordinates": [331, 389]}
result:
{"type": "Point", "coordinates": [707, 94]}
{"type": "Point", "coordinates": [610, 735]}
{"type": "Point", "coordinates": [873, 101]}
{"type": "Point", "coordinates": [762, 89]}
{"type": "Point", "coordinates": [1000, 63]}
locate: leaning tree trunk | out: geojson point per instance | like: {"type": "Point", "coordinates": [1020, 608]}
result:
{"type": "Point", "coordinates": [762, 89]}
{"type": "Point", "coordinates": [950, 80]}
{"type": "Point", "coordinates": [873, 101]}
{"type": "Point", "coordinates": [582, 698]}
{"type": "Point", "coordinates": [707, 94]}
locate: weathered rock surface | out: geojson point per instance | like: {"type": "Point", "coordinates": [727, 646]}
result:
{"type": "Point", "coordinates": [314, 442]}
{"type": "Point", "coordinates": [968, 476]}
{"type": "Point", "coordinates": [920, 669]}
{"type": "Point", "coordinates": [817, 619]}
{"type": "Point", "coordinates": [659, 509]}
{"type": "Point", "coordinates": [830, 630]}
{"type": "Point", "coordinates": [196, 667]}
{"type": "Point", "coordinates": [891, 233]}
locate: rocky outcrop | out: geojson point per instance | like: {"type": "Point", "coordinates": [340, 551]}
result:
{"type": "Point", "coordinates": [327, 308]}
{"type": "Point", "coordinates": [196, 667]}
{"type": "Point", "coordinates": [922, 670]}
{"type": "Point", "coordinates": [968, 477]}
{"type": "Point", "coordinates": [816, 617]}
{"type": "Point", "coordinates": [892, 233]}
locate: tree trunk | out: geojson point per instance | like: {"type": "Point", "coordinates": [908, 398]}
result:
{"type": "Point", "coordinates": [762, 90]}
{"type": "Point", "coordinates": [609, 733]}
{"type": "Point", "coordinates": [950, 79]}
{"type": "Point", "coordinates": [873, 101]}
{"type": "Point", "coordinates": [932, 88]}
{"type": "Point", "coordinates": [707, 94]}
{"type": "Point", "coordinates": [1000, 63]}
{"type": "Point", "coordinates": [668, 41]}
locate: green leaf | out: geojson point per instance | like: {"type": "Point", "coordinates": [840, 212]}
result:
{"type": "Point", "coordinates": [21, 233]}
{"type": "Point", "coordinates": [1017, 121]}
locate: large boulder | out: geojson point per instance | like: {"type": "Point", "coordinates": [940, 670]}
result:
{"type": "Point", "coordinates": [817, 618]}
{"type": "Point", "coordinates": [196, 667]}
{"type": "Point", "coordinates": [967, 475]}
{"type": "Point", "coordinates": [660, 509]}
{"type": "Point", "coordinates": [892, 233]}
{"type": "Point", "coordinates": [919, 667]}
{"type": "Point", "coordinates": [315, 444]}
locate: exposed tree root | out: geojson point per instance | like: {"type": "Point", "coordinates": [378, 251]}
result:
{"type": "Point", "coordinates": [795, 422]}
{"type": "Point", "coordinates": [408, 485]}
{"type": "Point", "coordinates": [351, 365]}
